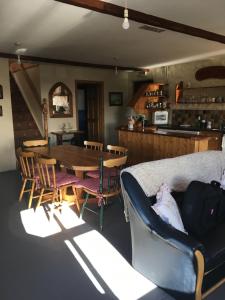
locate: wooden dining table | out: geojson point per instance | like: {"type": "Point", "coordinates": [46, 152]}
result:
{"type": "Point", "coordinates": [77, 158]}
{"type": "Point", "coordinates": [74, 157]}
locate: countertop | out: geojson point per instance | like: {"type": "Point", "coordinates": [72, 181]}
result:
{"type": "Point", "coordinates": [170, 131]}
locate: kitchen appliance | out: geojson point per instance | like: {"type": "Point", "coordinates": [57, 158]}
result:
{"type": "Point", "coordinates": [160, 117]}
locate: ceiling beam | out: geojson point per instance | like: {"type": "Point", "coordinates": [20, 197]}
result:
{"type": "Point", "coordinates": [67, 62]}
{"type": "Point", "coordinates": [140, 17]}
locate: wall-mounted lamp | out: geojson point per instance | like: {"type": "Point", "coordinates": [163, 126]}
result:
{"type": "Point", "coordinates": [125, 24]}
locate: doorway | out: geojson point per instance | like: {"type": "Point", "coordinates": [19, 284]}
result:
{"type": "Point", "coordinates": [90, 109]}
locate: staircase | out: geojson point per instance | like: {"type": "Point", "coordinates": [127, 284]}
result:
{"type": "Point", "coordinates": [24, 125]}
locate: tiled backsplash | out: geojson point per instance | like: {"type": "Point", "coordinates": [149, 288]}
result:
{"type": "Point", "coordinates": [217, 117]}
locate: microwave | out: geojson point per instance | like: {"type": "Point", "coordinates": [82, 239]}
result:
{"type": "Point", "coordinates": [160, 117]}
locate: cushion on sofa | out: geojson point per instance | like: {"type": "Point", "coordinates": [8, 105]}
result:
{"type": "Point", "coordinates": [167, 209]}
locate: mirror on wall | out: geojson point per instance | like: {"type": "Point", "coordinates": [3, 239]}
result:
{"type": "Point", "coordinates": [60, 101]}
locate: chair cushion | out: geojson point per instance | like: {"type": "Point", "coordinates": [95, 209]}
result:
{"type": "Point", "coordinates": [63, 178]}
{"type": "Point", "coordinates": [92, 184]}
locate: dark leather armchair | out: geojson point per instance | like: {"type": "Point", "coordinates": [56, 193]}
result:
{"type": "Point", "coordinates": [173, 260]}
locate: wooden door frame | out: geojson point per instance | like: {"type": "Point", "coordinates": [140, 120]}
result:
{"type": "Point", "coordinates": [101, 126]}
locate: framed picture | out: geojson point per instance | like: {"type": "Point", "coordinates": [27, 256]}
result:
{"type": "Point", "coordinates": [115, 98]}
{"type": "Point", "coordinates": [0, 111]}
{"type": "Point", "coordinates": [1, 92]}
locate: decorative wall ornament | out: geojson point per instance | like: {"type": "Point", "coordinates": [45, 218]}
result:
{"type": "Point", "coordinates": [216, 72]}
{"type": "Point", "coordinates": [60, 101]}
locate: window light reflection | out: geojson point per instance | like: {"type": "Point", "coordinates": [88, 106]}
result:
{"type": "Point", "coordinates": [66, 216]}
{"type": "Point", "coordinates": [84, 267]}
{"type": "Point", "coordinates": [124, 282]}
{"type": "Point", "coordinates": [37, 223]}
{"type": "Point", "coordinates": [45, 223]}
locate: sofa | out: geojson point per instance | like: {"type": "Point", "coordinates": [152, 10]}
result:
{"type": "Point", "coordinates": [181, 264]}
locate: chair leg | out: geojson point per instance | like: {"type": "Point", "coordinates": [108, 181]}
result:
{"type": "Point", "coordinates": [40, 198]}
{"type": "Point", "coordinates": [101, 215]}
{"type": "Point", "coordinates": [54, 196]}
{"type": "Point", "coordinates": [83, 206]}
{"type": "Point", "coordinates": [31, 194]}
{"type": "Point", "coordinates": [22, 189]}
{"type": "Point", "coordinates": [76, 198]}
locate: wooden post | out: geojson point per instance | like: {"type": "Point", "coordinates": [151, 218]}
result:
{"type": "Point", "coordinates": [45, 118]}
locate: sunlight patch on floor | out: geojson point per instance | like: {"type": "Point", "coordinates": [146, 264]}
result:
{"type": "Point", "coordinates": [37, 223]}
{"type": "Point", "coordinates": [67, 217]}
{"type": "Point", "coordinates": [44, 223]}
{"type": "Point", "coordinates": [84, 267]}
{"type": "Point", "coordinates": [123, 281]}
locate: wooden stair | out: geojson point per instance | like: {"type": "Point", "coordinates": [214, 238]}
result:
{"type": "Point", "coordinates": [24, 125]}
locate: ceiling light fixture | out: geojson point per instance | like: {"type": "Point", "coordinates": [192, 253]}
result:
{"type": "Point", "coordinates": [19, 52]}
{"type": "Point", "coordinates": [126, 24]}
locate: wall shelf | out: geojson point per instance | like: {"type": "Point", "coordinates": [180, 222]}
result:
{"type": "Point", "coordinates": [149, 93]}
{"type": "Point", "coordinates": [202, 95]}
{"type": "Point", "coordinates": [198, 106]}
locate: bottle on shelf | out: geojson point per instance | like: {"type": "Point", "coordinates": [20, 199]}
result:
{"type": "Point", "coordinates": [203, 124]}
{"type": "Point", "coordinates": [209, 125]}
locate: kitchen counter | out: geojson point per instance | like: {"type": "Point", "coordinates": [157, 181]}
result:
{"type": "Point", "coordinates": [156, 143]}
{"type": "Point", "coordinates": [190, 128]}
{"type": "Point", "coordinates": [171, 131]}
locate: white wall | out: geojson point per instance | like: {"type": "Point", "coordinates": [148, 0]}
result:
{"type": "Point", "coordinates": [34, 74]}
{"type": "Point", "coordinates": [7, 147]}
{"type": "Point", "coordinates": [114, 116]}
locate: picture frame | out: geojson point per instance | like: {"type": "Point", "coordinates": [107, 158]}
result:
{"type": "Point", "coordinates": [115, 98]}
{"type": "Point", "coordinates": [1, 112]}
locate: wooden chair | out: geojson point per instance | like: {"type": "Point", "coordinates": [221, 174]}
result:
{"type": "Point", "coordinates": [117, 149]}
{"type": "Point", "coordinates": [93, 145]}
{"type": "Point", "coordinates": [35, 143]}
{"type": "Point", "coordinates": [54, 182]}
{"type": "Point", "coordinates": [29, 174]}
{"type": "Point", "coordinates": [104, 187]}
{"type": "Point", "coordinates": [113, 149]}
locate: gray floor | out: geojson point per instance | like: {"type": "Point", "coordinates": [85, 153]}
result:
{"type": "Point", "coordinates": [42, 268]}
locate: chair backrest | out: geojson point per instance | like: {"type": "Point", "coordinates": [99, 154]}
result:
{"type": "Point", "coordinates": [46, 169]}
{"type": "Point", "coordinates": [35, 143]}
{"type": "Point", "coordinates": [117, 149]}
{"type": "Point", "coordinates": [115, 162]}
{"type": "Point", "coordinates": [27, 164]}
{"type": "Point", "coordinates": [112, 175]}
{"type": "Point", "coordinates": [93, 145]}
